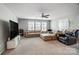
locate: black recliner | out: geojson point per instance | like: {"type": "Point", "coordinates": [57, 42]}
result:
{"type": "Point", "coordinates": [67, 38]}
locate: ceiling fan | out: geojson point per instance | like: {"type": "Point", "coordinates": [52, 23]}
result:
{"type": "Point", "coordinates": [45, 16]}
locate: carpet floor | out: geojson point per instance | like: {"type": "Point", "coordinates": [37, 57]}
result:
{"type": "Point", "coordinates": [36, 46]}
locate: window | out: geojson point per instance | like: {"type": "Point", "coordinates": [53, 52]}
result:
{"type": "Point", "coordinates": [63, 24]}
{"type": "Point", "coordinates": [37, 26]}
{"type": "Point", "coordinates": [34, 25]}
{"type": "Point", "coordinates": [44, 26]}
{"type": "Point", "coordinates": [31, 25]}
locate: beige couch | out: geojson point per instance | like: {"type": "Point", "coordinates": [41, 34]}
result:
{"type": "Point", "coordinates": [32, 34]}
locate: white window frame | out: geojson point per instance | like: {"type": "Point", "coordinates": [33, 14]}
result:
{"type": "Point", "coordinates": [31, 23]}
{"type": "Point", "coordinates": [44, 26]}
{"type": "Point", "coordinates": [37, 25]}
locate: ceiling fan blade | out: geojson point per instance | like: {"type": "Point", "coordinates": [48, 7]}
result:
{"type": "Point", "coordinates": [47, 15]}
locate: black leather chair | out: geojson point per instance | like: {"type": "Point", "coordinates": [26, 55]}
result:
{"type": "Point", "coordinates": [77, 33]}
{"type": "Point", "coordinates": [67, 38]}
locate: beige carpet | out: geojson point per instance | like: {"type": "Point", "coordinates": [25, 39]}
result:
{"type": "Point", "coordinates": [36, 46]}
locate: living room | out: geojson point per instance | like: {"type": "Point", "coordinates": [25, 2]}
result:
{"type": "Point", "coordinates": [41, 28]}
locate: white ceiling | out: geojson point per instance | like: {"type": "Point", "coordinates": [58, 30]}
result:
{"type": "Point", "coordinates": [34, 10]}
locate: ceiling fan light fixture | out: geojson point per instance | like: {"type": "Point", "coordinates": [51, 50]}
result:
{"type": "Point", "coordinates": [45, 16]}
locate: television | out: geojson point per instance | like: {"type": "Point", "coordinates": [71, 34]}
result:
{"type": "Point", "coordinates": [13, 29]}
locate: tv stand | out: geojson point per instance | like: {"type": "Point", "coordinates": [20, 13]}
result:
{"type": "Point", "coordinates": [13, 43]}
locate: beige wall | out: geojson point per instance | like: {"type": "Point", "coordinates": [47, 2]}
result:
{"type": "Point", "coordinates": [74, 22]}
{"type": "Point", "coordinates": [5, 16]}
{"type": "Point", "coordinates": [4, 33]}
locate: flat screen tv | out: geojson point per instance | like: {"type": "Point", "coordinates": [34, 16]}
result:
{"type": "Point", "coordinates": [13, 29]}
